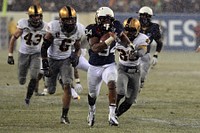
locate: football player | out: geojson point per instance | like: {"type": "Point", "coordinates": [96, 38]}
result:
{"type": "Point", "coordinates": [31, 31]}
{"type": "Point", "coordinates": [61, 36]}
{"type": "Point", "coordinates": [102, 60]}
{"type": "Point", "coordinates": [152, 30]}
{"type": "Point", "coordinates": [128, 81]}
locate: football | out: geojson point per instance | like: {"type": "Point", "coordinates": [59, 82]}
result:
{"type": "Point", "coordinates": [105, 37]}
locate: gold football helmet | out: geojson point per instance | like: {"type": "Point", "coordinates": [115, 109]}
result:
{"type": "Point", "coordinates": [35, 16]}
{"type": "Point", "coordinates": [132, 28]}
{"type": "Point", "coordinates": [68, 19]}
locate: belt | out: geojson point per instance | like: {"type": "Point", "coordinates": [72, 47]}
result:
{"type": "Point", "coordinates": [130, 69]}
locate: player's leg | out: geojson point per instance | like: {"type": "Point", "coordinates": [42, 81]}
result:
{"type": "Point", "coordinates": [131, 93]}
{"type": "Point", "coordinates": [23, 66]}
{"type": "Point", "coordinates": [66, 76]}
{"type": "Point", "coordinates": [94, 82]}
{"type": "Point", "coordinates": [122, 82]}
{"type": "Point", "coordinates": [145, 67]}
{"type": "Point", "coordinates": [83, 64]}
{"type": "Point", "coordinates": [34, 70]}
{"type": "Point", "coordinates": [110, 78]}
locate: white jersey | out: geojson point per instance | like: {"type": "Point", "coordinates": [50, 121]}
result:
{"type": "Point", "coordinates": [62, 45]}
{"type": "Point", "coordinates": [141, 39]}
{"type": "Point", "coordinates": [31, 38]}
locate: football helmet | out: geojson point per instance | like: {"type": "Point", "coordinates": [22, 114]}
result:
{"type": "Point", "coordinates": [132, 28]}
{"type": "Point", "coordinates": [104, 18]}
{"type": "Point", "coordinates": [68, 19]}
{"type": "Point", "coordinates": [145, 14]}
{"type": "Point", "coordinates": [35, 16]}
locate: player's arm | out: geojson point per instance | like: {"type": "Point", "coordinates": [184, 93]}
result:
{"type": "Point", "coordinates": [74, 57]}
{"type": "Point", "coordinates": [142, 49]}
{"type": "Point", "coordinates": [13, 39]}
{"type": "Point", "coordinates": [47, 41]}
{"type": "Point", "coordinates": [158, 39]}
{"type": "Point", "coordinates": [78, 87]}
{"type": "Point", "coordinates": [77, 47]}
{"type": "Point", "coordinates": [96, 45]}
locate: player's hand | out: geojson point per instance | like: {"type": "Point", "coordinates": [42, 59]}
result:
{"type": "Point", "coordinates": [132, 46]}
{"type": "Point", "coordinates": [46, 69]}
{"type": "Point", "coordinates": [47, 72]}
{"type": "Point", "coordinates": [11, 60]}
{"type": "Point", "coordinates": [154, 60]}
{"type": "Point", "coordinates": [74, 59]}
{"type": "Point", "coordinates": [133, 55]}
{"type": "Point", "coordinates": [78, 87]}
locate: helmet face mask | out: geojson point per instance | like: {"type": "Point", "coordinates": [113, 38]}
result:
{"type": "Point", "coordinates": [145, 14]}
{"type": "Point", "coordinates": [104, 18]}
{"type": "Point", "coordinates": [35, 16]}
{"type": "Point", "coordinates": [132, 28]}
{"type": "Point", "coordinates": [68, 19]}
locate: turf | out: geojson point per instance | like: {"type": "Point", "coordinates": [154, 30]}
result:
{"type": "Point", "coordinates": [169, 102]}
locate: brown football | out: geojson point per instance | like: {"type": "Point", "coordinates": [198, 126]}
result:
{"type": "Point", "coordinates": [104, 37]}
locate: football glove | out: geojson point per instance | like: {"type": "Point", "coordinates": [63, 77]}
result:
{"type": "Point", "coordinates": [11, 60]}
{"type": "Point", "coordinates": [78, 87]}
{"type": "Point", "coordinates": [46, 69]}
{"type": "Point", "coordinates": [154, 60]}
{"type": "Point", "coordinates": [74, 59]}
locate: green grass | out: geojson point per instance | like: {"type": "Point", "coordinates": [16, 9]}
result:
{"type": "Point", "coordinates": [169, 102]}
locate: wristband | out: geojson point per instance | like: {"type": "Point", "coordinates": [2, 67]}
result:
{"type": "Point", "coordinates": [156, 56]}
{"type": "Point", "coordinates": [10, 54]}
{"type": "Point", "coordinates": [77, 80]}
{"type": "Point", "coordinates": [109, 40]}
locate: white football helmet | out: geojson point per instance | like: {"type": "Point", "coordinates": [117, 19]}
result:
{"type": "Point", "coordinates": [104, 17]}
{"type": "Point", "coordinates": [146, 9]}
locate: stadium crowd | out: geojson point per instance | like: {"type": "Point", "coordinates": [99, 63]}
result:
{"type": "Point", "coordinates": [159, 6]}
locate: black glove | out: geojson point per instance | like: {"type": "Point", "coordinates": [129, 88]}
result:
{"type": "Point", "coordinates": [133, 55]}
{"type": "Point", "coordinates": [11, 60]}
{"type": "Point", "coordinates": [74, 59]}
{"type": "Point", "coordinates": [47, 72]}
{"type": "Point", "coordinates": [45, 68]}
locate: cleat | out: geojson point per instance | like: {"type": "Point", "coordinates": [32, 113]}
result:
{"type": "Point", "coordinates": [113, 121]}
{"type": "Point", "coordinates": [39, 94]}
{"type": "Point", "coordinates": [64, 120]}
{"type": "Point", "coordinates": [44, 93]}
{"type": "Point", "coordinates": [27, 101]}
{"type": "Point", "coordinates": [91, 119]}
{"type": "Point", "coordinates": [142, 84]}
{"type": "Point", "coordinates": [78, 98]}
{"type": "Point", "coordinates": [75, 94]}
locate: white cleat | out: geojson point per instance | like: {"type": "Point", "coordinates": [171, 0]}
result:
{"type": "Point", "coordinates": [91, 119]}
{"type": "Point", "coordinates": [112, 119]}
{"type": "Point", "coordinates": [45, 92]}
{"type": "Point", "coordinates": [75, 94]}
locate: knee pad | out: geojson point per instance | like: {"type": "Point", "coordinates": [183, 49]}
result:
{"type": "Point", "coordinates": [91, 100]}
{"type": "Point", "coordinates": [51, 90]}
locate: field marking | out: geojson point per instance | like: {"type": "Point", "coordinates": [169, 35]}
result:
{"type": "Point", "coordinates": [193, 124]}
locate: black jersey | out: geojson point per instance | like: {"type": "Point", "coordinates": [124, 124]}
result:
{"type": "Point", "coordinates": [154, 33]}
{"type": "Point", "coordinates": [104, 57]}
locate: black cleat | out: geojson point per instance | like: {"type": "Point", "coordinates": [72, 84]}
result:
{"type": "Point", "coordinates": [64, 120]}
{"type": "Point", "coordinates": [27, 101]}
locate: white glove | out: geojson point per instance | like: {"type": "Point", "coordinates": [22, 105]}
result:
{"type": "Point", "coordinates": [78, 88]}
{"type": "Point", "coordinates": [154, 60]}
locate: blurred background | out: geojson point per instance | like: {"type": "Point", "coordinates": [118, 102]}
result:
{"type": "Point", "coordinates": [179, 19]}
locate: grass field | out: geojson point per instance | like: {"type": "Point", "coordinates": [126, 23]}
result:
{"type": "Point", "coordinates": [169, 102]}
